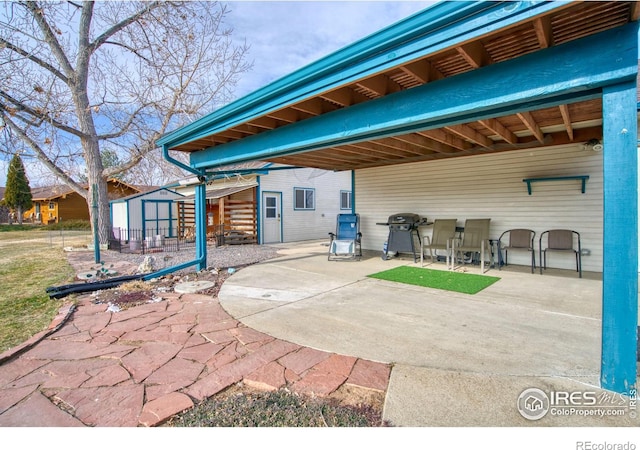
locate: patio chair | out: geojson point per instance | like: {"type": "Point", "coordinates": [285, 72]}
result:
{"type": "Point", "coordinates": [346, 242]}
{"type": "Point", "coordinates": [561, 241]}
{"type": "Point", "coordinates": [519, 239]}
{"type": "Point", "coordinates": [444, 231]}
{"type": "Point", "coordinates": [475, 239]}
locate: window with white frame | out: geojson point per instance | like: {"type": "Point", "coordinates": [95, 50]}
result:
{"type": "Point", "coordinates": [304, 198]}
{"type": "Point", "coordinates": [345, 199]}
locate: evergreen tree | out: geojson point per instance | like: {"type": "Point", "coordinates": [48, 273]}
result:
{"type": "Point", "coordinates": [17, 195]}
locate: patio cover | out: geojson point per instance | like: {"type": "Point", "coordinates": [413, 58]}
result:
{"type": "Point", "coordinates": [221, 192]}
{"type": "Point", "coordinates": [459, 79]}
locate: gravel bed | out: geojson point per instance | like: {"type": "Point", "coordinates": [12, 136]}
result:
{"type": "Point", "coordinates": [223, 257]}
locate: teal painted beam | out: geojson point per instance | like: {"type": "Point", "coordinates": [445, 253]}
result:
{"type": "Point", "coordinates": [620, 257]}
{"type": "Point", "coordinates": [567, 73]}
{"type": "Point", "coordinates": [441, 26]}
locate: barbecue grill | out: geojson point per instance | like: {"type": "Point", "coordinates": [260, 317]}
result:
{"type": "Point", "coordinates": [403, 231]}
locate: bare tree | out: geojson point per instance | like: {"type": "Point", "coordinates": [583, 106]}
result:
{"type": "Point", "coordinates": [76, 77]}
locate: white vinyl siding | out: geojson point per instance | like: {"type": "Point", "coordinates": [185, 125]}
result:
{"type": "Point", "coordinates": [301, 225]}
{"type": "Point", "coordinates": [491, 186]}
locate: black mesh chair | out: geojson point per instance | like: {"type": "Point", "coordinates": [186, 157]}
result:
{"type": "Point", "coordinates": [518, 239]}
{"type": "Point", "coordinates": [561, 241]}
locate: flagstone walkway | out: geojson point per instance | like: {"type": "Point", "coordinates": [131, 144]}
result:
{"type": "Point", "coordinates": [142, 365]}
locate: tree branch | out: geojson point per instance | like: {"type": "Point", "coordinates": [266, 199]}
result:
{"type": "Point", "coordinates": [42, 156]}
{"type": "Point", "coordinates": [20, 106]}
{"type": "Point", "coordinates": [6, 44]}
{"type": "Point", "coordinates": [50, 38]}
{"type": "Point", "coordinates": [121, 25]}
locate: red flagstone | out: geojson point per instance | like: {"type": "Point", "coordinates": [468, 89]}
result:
{"type": "Point", "coordinates": [268, 378]}
{"type": "Point", "coordinates": [117, 406]}
{"type": "Point", "coordinates": [68, 350]}
{"type": "Point", "coordinates": [303, 359]}
{"type": "Point", "coordinates": [371, 375]}
{"type": "Point", "coordinates": [225, 356]}
{"type": "Point", "coordinates": [201, 353]}
{"type": "Point", "coordinates": [319, 383]}
{"type": "Point", "coordinates": [107, 376]}
{"type": "Point", "coordinates": [18, 368]}
{"type": "Point", "coordinates": [159, 410]}
{"type": "Point", "coordinates": [156, 336]}
{"type": "Point", "coordinates": [149, 357]}
{"type": "Point", "coordinates": [217, 326]}
{"type": "Point", "coordinates": [338, 364]}
{"type": "Point", "coordinates": [38, 411]}
{"type": "Point", "coordinates": [140, 365]}
{"type": "Point", "coordinates": [11, 397]}
{"type": "Point", "coordinates": [210, 385]}
{"type": "Point", "coordinates": [176, 374]}
{"type": "Point", "coordinates": [219, 337]}
{"type": "Point", "coordinates": [248, 335]}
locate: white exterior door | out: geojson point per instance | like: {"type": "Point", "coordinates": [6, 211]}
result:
{"type": "Point", "coordinates": [271, 217]}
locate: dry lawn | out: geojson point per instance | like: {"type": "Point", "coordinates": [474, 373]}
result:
{"type": "Point", "coordinates": [28, 265]}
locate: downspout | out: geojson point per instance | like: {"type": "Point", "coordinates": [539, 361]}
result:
{"type": "Point", "coordinates": [201, 222]}
{"type": "Point", "coordinates": [258, 212]}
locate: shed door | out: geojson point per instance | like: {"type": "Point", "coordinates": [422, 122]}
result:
{"type": "Point", "coordinates": [157, 217]}
{"type": "Point", "coordinates": [271, 215]}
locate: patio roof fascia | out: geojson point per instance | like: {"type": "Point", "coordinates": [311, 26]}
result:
{"type": "Point", "coordinates": [436, 28]}
{"type": "Point", "coordinates": [574, 71]}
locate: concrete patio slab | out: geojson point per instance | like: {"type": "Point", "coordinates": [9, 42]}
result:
{"type": "Point", "coordinates": [527, 330]}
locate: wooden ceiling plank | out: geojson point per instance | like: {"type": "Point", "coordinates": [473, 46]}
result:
{"type": "Point", "coordinates": [447, 139]}
{"type": "Point", "coordinates": [528, 120]}
{"type": "Point", "coordinates": [422, 71]}
{"type": "Point", "coordinates": [286, 115]}
{"type": "Point", "coordinates": [343, 96]}
{"type": "Point", "coordinates": [634, 13]}
{"type": "Point", "coordinates": [268, 123]}
{"type": "Point", "coordinates": [475, 54]}
{"type": "Point", "coordinates": [426, 143]}
{"type": "Point", "coordinates": [378, 84]}
{"type": "Point", "coordinates": [396, 144]}
{"type": "Point", "coordinates": [231, 134]}
{"type": "Point", "coordinates": [380, 149]}
{"type": "Point", "coordinates": [544, 31]}
{"type": "Point", "coordinates": [495, 126]}
{"type": "Point", "coordinates": [566, 118]}
{"type": "Point", "coordinates": [468, 133]}
{"type": "Point", "coordinates": [314, 106]}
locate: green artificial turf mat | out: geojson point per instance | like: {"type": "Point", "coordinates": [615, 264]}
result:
{"type": "Point", "coordinates": [467, 283]}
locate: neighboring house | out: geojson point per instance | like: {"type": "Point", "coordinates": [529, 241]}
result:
{"type": "Point", "coordinates": [52, 204]}
{"type": "Point", "coordinates": [266, 203]}
{"type": "Point", "coordinates": [446, 112]}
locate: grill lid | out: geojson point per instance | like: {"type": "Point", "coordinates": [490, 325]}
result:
{"type": "Point", "coordinates": [404, 218]}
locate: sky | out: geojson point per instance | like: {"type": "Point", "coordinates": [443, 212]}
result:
{"type": "Point", "coordinates": [287, 35]}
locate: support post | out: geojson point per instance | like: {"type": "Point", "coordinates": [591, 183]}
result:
{"type": "Point", "coordinates": [201, 225]}
{"type": "Point", "coordinates": [96, 234]}
{"type": "Point", "coordinates": [620, 236]}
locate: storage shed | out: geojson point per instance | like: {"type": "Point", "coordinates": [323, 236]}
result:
{"type": "Point", "coordinates": [145, 215]}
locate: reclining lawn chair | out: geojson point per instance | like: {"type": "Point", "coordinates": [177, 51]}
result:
{"type": "Point", "coordinates": [346, 242]}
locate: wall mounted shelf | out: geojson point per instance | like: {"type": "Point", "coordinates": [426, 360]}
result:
{"type": "Point", "coordinates": [583, 178]}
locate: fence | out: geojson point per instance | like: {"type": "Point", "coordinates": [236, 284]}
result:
{"type": "Point", "coordinates": [153, 240]}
